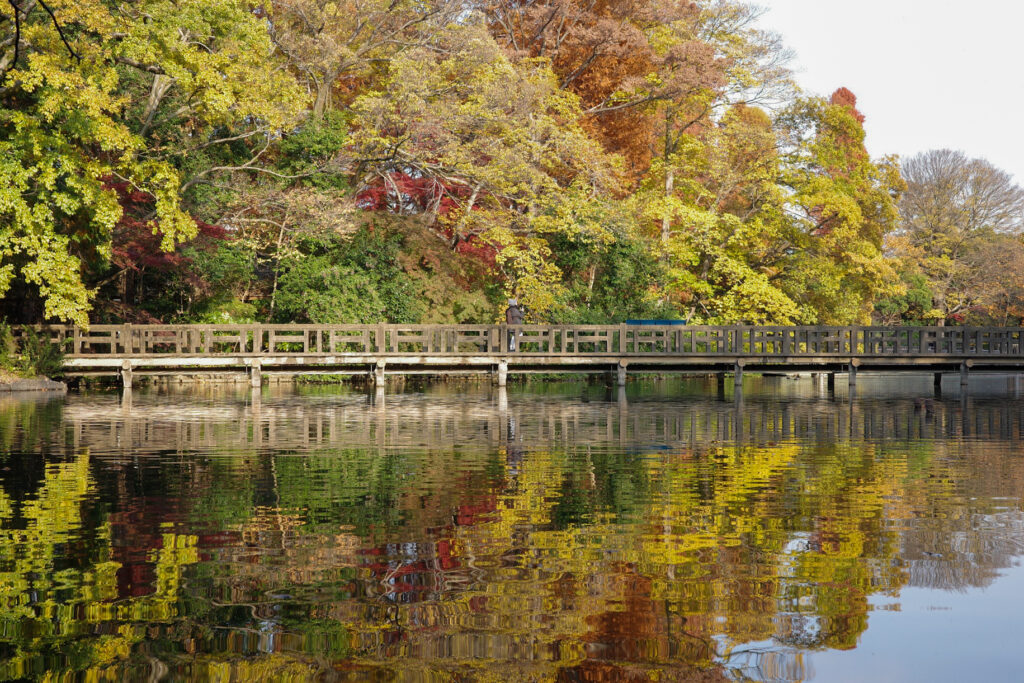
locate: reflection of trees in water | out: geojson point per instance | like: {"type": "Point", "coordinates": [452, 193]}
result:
{"type": "Point", "coordinates": [594, 540]}
{"type": "Point", "coordinates": [968, 555]}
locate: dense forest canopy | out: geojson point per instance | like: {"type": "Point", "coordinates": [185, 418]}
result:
{"type": "Point", "coordinates": [422, 160]}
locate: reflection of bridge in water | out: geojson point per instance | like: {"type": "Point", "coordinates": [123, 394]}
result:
{"type": "Point", "coordinates": [161, 423]}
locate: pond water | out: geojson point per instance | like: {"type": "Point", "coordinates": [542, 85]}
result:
{"type": "Point", "coordinates": [550, 532]}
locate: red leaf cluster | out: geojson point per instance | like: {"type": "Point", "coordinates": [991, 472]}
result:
{"type": "Point", "coordinates": [403, 193]}
{"type": "Point", "coordinates": [475, 248]}
{"type": "Point", "coordinates": [136, 240]}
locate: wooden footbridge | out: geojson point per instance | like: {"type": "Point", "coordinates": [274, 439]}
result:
{"type": "Point", "coordinates": [383, 349]}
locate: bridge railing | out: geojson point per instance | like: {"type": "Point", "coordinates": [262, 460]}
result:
{"type": "Point", "coordinates": [548, 340]}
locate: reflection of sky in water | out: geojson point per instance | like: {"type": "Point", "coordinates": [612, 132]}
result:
{"type": "Point", "coordinates": [792, 534]}
{"type": "Point", "coordinates": [968, 635]}
{"type": "Point", "coordinates": [937, 628]}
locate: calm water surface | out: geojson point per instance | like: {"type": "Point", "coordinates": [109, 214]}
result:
{"type": "Point", "coordinates": [554, 532]}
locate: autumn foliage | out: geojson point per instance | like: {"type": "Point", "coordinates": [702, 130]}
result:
{"type": "Point", "coordinates": [598, 160]}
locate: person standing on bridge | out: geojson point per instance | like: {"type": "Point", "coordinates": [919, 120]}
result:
{"type": "Point", "coordinates": [513, 316]}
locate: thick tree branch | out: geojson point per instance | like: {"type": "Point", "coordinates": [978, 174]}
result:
{"type": "Point", "coordinates": [148, 68]}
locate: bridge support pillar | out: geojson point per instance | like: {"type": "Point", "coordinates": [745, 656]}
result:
{"type": "Point", "coordinates": [965, 368]}
{"type": "Point", "coordinates": [502, 404]}
{"type": "Point", "coordinates": [621, 374]}
{"type": "Point", "coordinates": [501, 373]}
{"type": "Point", "coordinates": [830, 382]}
{"type": "Point", "coordinates": [853, 372]}
{"type": "Point", "coordinates": [255, 375]}
{"type": "Point", "coordinates": [126, 374]}
{"type": "Point", "coordinates": [737, 374]}
{"type": "Point", "coordinates": [379, 378]}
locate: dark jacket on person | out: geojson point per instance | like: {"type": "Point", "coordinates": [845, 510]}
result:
{"type": "Point", "coordinates": [514, 315]}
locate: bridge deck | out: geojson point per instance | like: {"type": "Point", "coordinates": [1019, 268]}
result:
{"type": "Point", "coordinates": [439, 349]}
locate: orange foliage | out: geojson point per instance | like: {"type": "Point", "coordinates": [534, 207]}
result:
{"type": "Point", "coordinates": [601, 52]}
{"type": "Point", "coordinates": [845, 97]}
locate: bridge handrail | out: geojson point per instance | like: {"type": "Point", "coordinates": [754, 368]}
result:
{"type": "Point", "coordinates": [259, 340]}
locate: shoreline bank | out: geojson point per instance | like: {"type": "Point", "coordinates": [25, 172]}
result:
{"type": "Point", "coordinates": [35, 385]}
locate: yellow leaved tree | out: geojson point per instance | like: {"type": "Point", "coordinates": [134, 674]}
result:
{"type": "Point", "coordinates": [83, 86]}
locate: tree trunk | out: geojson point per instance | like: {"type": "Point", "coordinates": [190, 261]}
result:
{"type": "Point", "coordinates": [323, 100]}
{"type": "Point", "coordinates": [161, 85]}
{"type": "Point", "coordinates": [324, 86]}
{"type": "Point", "coordinates": [277, 264]}
{"type": "Point", "coordinates": [457, 230]}
{"type": "Point", "coordinates": [666, 222]}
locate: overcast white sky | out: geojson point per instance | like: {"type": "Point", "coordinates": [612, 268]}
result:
{"type": "Point", "coordinates": [927, 74]}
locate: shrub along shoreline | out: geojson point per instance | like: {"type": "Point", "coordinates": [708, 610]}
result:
{"type": "Point", "coordinates": [29, 363]}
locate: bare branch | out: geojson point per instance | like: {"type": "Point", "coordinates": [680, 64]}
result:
{"type": "Point", "coordinates": [6, 64]}
{"type": "Point", "coordinates": [233, 138]}
{"type": "Point", "coordinates": [248, 166]}
{"type": "Point", "coordinates": [60, 31]}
